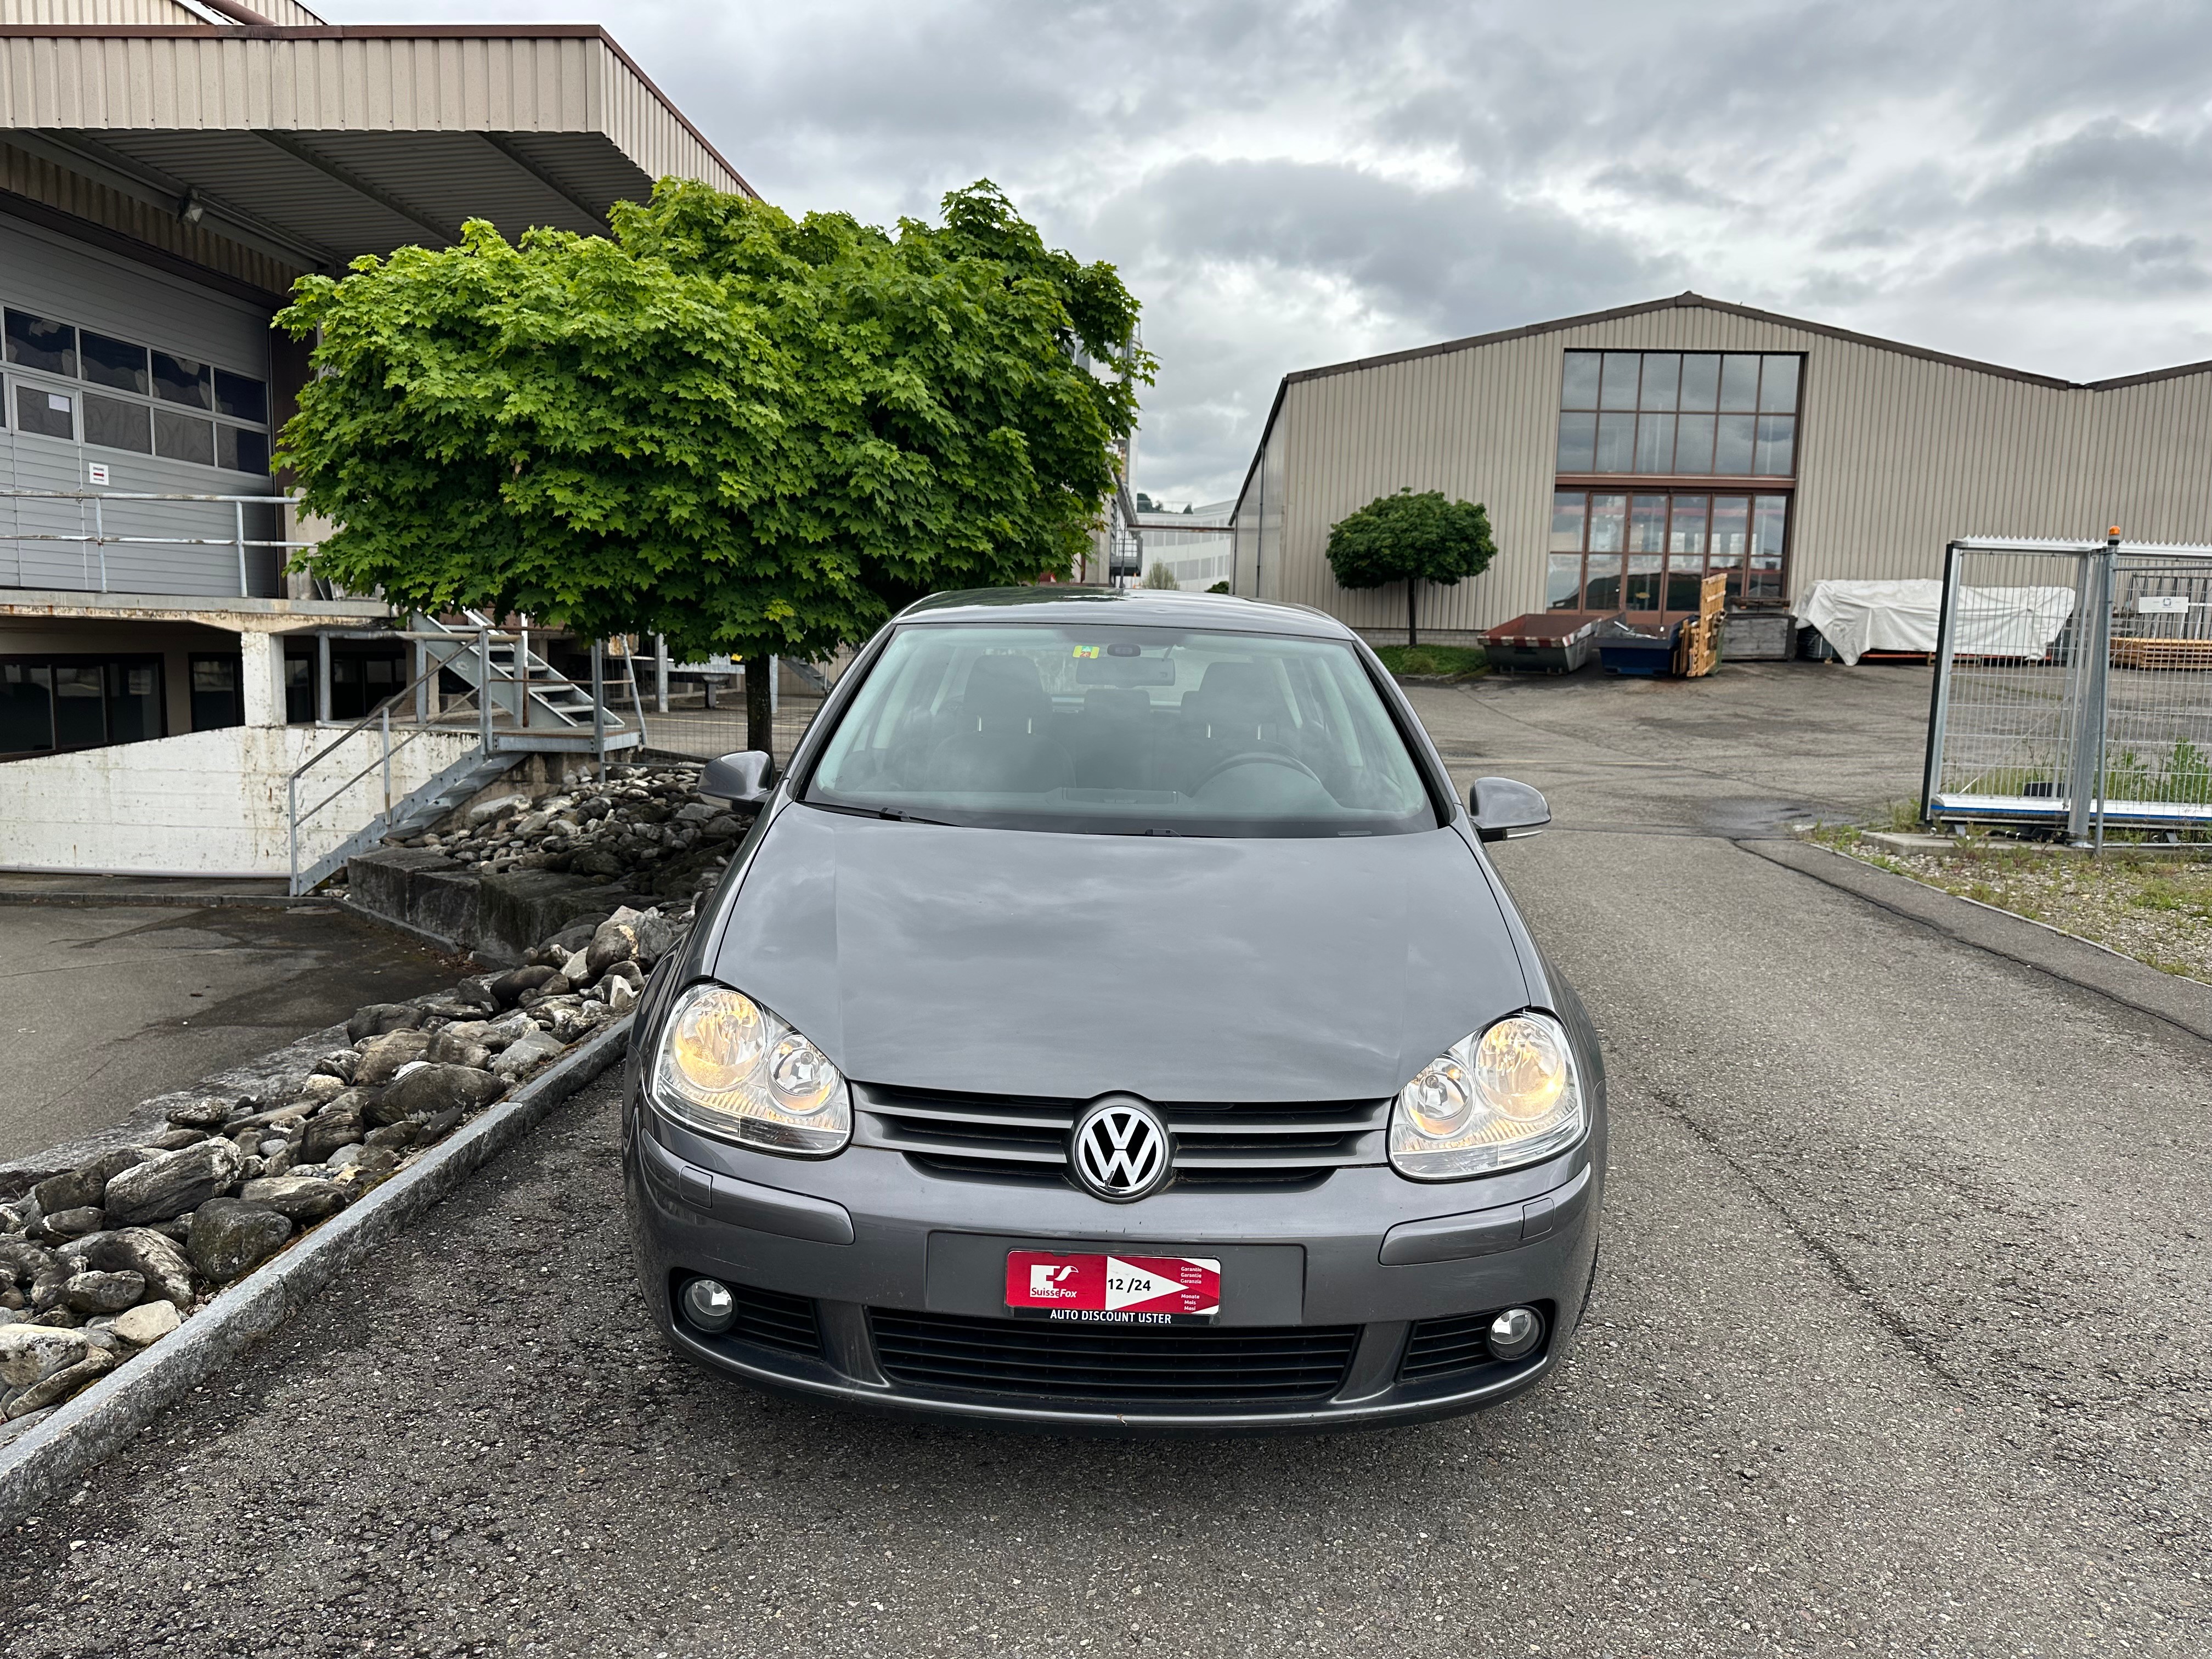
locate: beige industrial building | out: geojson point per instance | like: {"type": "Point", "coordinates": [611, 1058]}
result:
{"type": "Point", "coordinates": [1625, 454]}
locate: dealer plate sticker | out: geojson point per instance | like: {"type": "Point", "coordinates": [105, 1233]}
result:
{"type": "Point", "coordinates": [1113, 1290]}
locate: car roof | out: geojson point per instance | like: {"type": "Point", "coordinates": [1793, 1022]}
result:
{"type": "Point", "coordinates": [1133, 607]}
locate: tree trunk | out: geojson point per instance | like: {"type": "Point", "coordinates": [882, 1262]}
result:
{"type": "Point", "coordinates": [1412, 592]}
{"type": "Point", "coordinates": [760, 724]}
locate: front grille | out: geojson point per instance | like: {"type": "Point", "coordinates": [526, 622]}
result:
{"type": "Point", "coordinates": [1451, 1347]}
{"type": "Point", "coordinates": [770, 1319]}
{"type": "Point", "coordinates": [1112, 1362]}
{"type": "Point", "coordinates": [1015, 1137]}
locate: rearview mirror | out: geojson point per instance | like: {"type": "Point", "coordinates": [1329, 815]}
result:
{"type": "Point", "coordinates": [741, 779]}
{"type": "Point", "coordinates": [1506, 811]}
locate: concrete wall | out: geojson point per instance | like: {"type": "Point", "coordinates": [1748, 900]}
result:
{"type": "Point", "coordinates": [206, 803]}
{"type": "Point", "coordinates": [1897, 452]}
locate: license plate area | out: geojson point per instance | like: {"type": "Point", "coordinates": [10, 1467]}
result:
{"type": "Point", "coordinates": [1095, 1288]}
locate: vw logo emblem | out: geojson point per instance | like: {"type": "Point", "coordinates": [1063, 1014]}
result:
{"type": "Point", "coordinates": [1120, 1150]}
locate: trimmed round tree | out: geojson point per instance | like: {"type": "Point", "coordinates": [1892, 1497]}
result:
{"type": "Point", "coordinates": [1412, 539]}
{"type": "Point", "coordinates": [747, 432]}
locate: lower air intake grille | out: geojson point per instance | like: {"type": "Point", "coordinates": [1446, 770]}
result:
{"type": "Point", "coordinates": [771, 1319]}
{"type": "Point", "coordinates": [1448, 1348]}
{"type": "Point", "coordinates": [1159, 1366]}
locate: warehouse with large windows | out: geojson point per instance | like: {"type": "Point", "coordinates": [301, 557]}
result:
{"type": "Point", "coordinates": [1626, 455]}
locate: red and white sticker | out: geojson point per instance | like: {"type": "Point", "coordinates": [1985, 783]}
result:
{"type": "Point", "coordinates": [1113, 1290]}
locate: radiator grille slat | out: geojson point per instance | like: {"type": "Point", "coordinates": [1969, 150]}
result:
{"type": "Point", "coordinates": [1021, 1139]}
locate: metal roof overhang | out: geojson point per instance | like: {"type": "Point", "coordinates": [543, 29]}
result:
{"type": "Point", "coordinates": [318, 145]}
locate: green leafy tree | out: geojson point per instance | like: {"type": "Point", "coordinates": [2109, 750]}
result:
{"type": "Point", "coordinates": [1160, 576]}
{"type": "Point", "coordinates": [1412, 539]}
{"type": "Point", "coordinates": [752, 434]}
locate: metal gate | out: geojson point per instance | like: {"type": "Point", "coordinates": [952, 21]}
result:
{"type": "Point", "coordinates": [2072, 688]}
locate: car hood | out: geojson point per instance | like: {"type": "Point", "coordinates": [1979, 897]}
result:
{"type": "Point", "coordinates": [1004, 962]}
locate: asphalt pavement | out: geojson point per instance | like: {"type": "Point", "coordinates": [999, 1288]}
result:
{"type": "Point", "coordinates": [1898, 1346]}
{"type": "Point", "coordinates": [103, 1006]}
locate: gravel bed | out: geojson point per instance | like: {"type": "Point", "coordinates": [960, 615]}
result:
{"type": "Point", "coordinates": [2157, 910]}
{"type": "Point", "coordinates": [640, 825]}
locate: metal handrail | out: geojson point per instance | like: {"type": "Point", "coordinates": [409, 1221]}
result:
{"type": "Point", "coordinates": [103, 541]}
{"type": "Point", "coordinates": [518, 674]}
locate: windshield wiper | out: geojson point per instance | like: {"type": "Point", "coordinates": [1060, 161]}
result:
{"type": "Point", "coordinates": [890, 812]}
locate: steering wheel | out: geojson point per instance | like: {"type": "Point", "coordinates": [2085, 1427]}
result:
{"type": "Point", "coordinates": [1255, 758]}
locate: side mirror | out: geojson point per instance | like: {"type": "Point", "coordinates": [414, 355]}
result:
{"type": "Point", "coordinates": [1506, 811]}
{"type": "Point", "coordinates": [741, 779]}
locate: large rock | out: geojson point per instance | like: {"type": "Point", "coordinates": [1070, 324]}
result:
{"type": "Point", "coordinates": [381, 1057]}
{"type": "Point", "coordinates": [136, 1249]}
{"type": "Point", "coordinates": [429, 1089]}
{"type": "Point", "coordinates": [511, 986]}
{"type": "Point", "coordinates": [98, 1292]}
{"type": "Point", "coordinates": [204, 1114]}
{"type": "Point", "coordinates": [31, 1353]}
{"type": "Point", "coordinates": [147, 1323]}
{"type": "Point", "coordinates": [452, 1047]}
{"type": "Point", "coordinates": [170, 1185]}
{"type": "Point", "coordinates": [300, 1199]}
{"type": "Point", "coordinates": [378, 1017]}
{"type": "Point", "coordinates": [531, 1052]}
{"type": "Point", "coordinates": [338, 1124]}
{"type": "Point", "coordinates": [51, 1391]}
{"type": "Point", "coordinates": [231, 1237]}
{"type": "Point", "coordinates": [320, 1088]}
{"type": "Point", "coordinates": [65, 1224]}
{"type": "Point", "coordinates": [85, 1184]}
{"type": "Point", "coordinates": [639, 936]}
{"type": "Point", "coordinates": [39, 1273]}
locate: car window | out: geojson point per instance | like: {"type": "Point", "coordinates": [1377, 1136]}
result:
{"type": "Point", "coordinates": [1115, 729]}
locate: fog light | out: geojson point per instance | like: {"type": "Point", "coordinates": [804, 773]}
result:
{"type": "Point", "coordinates": [1513, 1335]}
{"type": "Point", "coordinates": [708, 1305]}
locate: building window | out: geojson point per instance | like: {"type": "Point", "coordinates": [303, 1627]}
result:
{"type": "Point", "coordinates": [1729, 414]}
{"type": "Point", "coordinates": [216, 701]}
{"type": "Point", "coordinates": [230, 431]}
{"type": "Point", "coordinates": [78, 702]}
{"type": "Point", "coordinates": [1651, 553]}
{"type": "Point", "coordinates": [37, 342]}
{"type": "Point", "coordinates": [48, 414]}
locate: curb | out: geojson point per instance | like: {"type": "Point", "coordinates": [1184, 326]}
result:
{"type": "Point", "coordinates": [2182, 1004]}
{"type": "Point", "coordinates": [40, 1466]}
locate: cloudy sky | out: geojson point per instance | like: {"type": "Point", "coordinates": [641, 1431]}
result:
{"type": "Point", "coordinates": [1297, 182]}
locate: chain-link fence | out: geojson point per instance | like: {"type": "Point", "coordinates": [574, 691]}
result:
{"type": "Point", "coordinates": [2072, 688]}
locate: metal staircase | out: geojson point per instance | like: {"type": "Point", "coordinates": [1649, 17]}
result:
{"type": "Point", "coordinates": [513, 703]}
{"type": "Point", "coordinates": [411, 815]}
{"type": "Point", "coordinates": [543, 707]}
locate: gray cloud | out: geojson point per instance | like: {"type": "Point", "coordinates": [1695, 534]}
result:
{"type": "Point", "coordinates": [1286, 185]}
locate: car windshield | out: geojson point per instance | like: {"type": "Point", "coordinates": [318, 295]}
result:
{"type": "Point", "coordinates": [1122, 730]}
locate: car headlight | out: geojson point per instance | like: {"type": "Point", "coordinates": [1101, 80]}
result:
{"type": "Point", "coordinates": [728, 1067]}
{"type": "Point", "coordinates": [1504, 1096]}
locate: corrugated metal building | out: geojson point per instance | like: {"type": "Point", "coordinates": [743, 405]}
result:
{"type": "Point", "coordinates": [166, 172]}
{"type": "Point", "coordinates": [1625, 454]}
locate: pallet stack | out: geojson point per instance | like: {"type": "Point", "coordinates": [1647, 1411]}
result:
{"type": "Point", "coordinates": [1697, 647]}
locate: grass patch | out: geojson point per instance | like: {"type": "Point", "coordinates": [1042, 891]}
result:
{"type": "Point", "coordinates": [1433, 658]}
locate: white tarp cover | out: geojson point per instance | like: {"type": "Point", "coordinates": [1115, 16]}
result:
{"type": "Point", "coordinates": [1855, 617]}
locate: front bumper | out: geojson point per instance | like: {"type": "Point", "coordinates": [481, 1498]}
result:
{"type": "Point", "coordinates": [1386, 1269]}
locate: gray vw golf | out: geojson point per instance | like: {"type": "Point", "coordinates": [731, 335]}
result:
{"type": "Point", "coordinates": [1112, 1021]}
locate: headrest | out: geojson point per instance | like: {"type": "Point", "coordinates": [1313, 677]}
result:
{"type": "Point", "coordinates": [1005, 691]}
{"type": "Point", "coordinates": [1239, 694]}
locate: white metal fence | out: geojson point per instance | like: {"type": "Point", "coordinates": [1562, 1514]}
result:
{"type": "Point", "coordinates": [2072, 688]}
